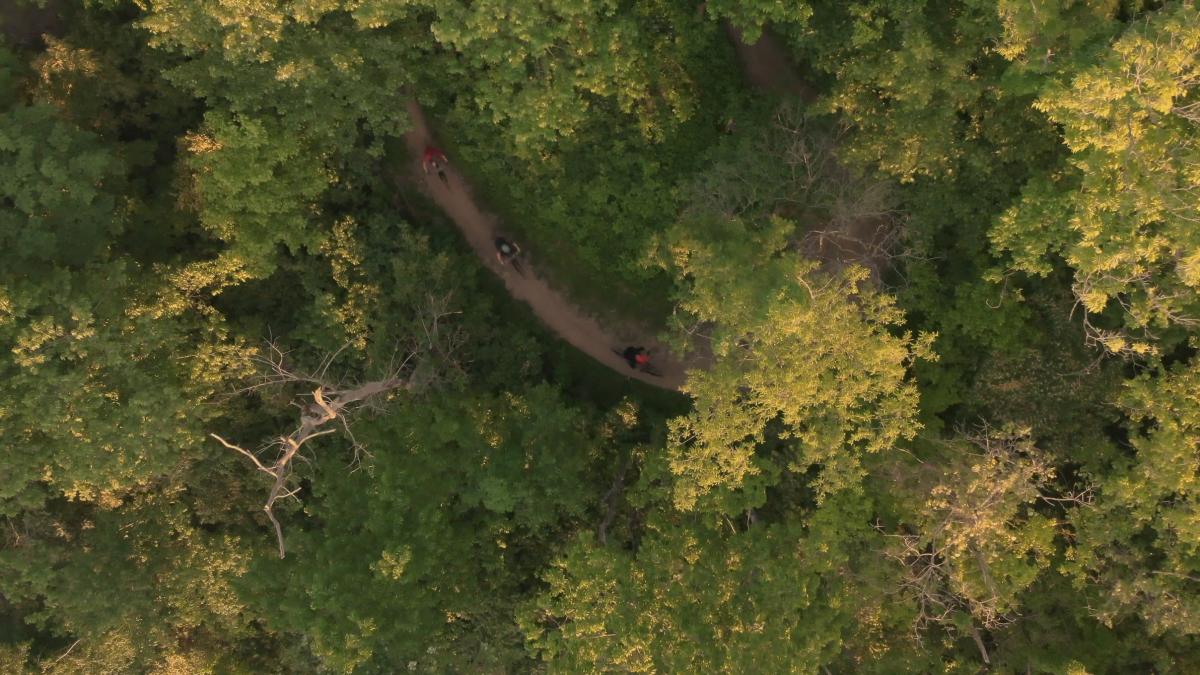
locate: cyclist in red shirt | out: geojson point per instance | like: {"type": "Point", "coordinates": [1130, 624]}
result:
{"type": "Point", "coordinates": [636, 357]}
{"type": "Point", "coordinates": [435, 159]}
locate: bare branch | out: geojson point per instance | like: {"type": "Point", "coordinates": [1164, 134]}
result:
{"type": "Point", "coordinates": [64, 654]}
{"type": "Point", "coordinates": [337, 400]}
{"type": "Point", "coordinates": [979, 643]}
{"type": "Point", "coordinates": [244, 452]}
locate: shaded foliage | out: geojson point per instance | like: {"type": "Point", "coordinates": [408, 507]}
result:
{"type": "Point", "coordinates": [907, 446]}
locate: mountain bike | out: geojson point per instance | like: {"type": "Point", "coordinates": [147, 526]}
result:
{"type": "Point", "coordinates": [509, 253]}
{"type": "Point", "coordinates": [647, 368]}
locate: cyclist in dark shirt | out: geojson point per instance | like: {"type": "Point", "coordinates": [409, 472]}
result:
{"type": "Point", "coordinates": [506, 250]}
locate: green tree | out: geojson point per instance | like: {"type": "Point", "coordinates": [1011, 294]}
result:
{"type": "Point", "coordinates": [255, 186]}
{"type": "Point", "coordinates": [752, 16]}
{"type": "Point", "coordinates": [1136, 552]}
{"type": "Point", "coordinates": [61, 192]}
{"type": "Point", "coordinates": [906, 77]}
{"type": "Point", "coordinates": [799, 355]}
{"type": "Point", "coordinates": [1122, 211]}
{"type": "Point", "coordinates": [108, 362]}
{"type": "Point", "coordinates": [542, 78]}
{"type": "Point", "coordinates": [700, 596]}
{"type": "Point", "coordinates": [95, 403]}
{"type": "Point", "coordinates": [292, 93]}
{"type": "Point", "coordinates": [136, 576]}
{"type": "Point", "coordinates": [428, 547]}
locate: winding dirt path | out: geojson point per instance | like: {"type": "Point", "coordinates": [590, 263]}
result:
{"type": "Point", "coordinates": [766, 66]}
{"type": "Point", "coordinates": [554, 309]}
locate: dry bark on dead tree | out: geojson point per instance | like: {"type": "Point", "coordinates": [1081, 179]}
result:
{"type": "Point", "coordinates": [335, 402]}
{"type": "Point", "coordinates": [328, 406]}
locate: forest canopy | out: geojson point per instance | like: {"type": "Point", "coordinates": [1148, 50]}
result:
{"type": "Point", "coordinates": [372, 336]}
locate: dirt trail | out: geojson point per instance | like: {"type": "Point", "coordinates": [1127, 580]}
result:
{"type": "Point", "coordinates": [552, 307]}
{"type": "Point", "coordinates": [24, 23]}
{"type": "Point", "coordinates": [767, 65]}
{"type": "Point", "coordinates": [768, 68]}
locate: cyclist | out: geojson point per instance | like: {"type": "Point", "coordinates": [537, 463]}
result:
{"type": "Point", "coordinates": [506, 250]}
{"type": "Point", "coordinates": [435, 159]}
{"type": "Point", "coordinates": [636, 357]}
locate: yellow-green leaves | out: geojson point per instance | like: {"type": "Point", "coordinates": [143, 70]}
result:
{"type": "Point", "coordinates": [802, 359]}
{"type": "Point", "coordinates": [391, 564]}
{"type": "Point", "coordinates": [1125, 214]}
{"type": "Point", "coordinates": [1036, 36]}
{"type": "Point", "coordinates": [346, 254]}
{"type": "Point", "coordinates": [976, 541]}
{"type": "Point", "coordinates": [1142, 541]}
{"type": "Point", "coordinates": [697, 598]}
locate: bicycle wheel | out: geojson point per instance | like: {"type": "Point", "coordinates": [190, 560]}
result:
{"type": "Point", "coordinates": [651, 370]}
{"type": "Point", "coordinates": [516, 265]}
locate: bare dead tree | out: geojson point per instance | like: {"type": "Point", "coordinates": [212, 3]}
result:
{"type": "Point", "coordinates": [328, 405]}
{"type": "Point", "coordinates": [1188, 111]}
{"type": "Point", "coordinates": [970, 509]}
{"type": "Point", "coordinates": [925, 572]}
{"type": "Point", "coordinates": [336, 401]}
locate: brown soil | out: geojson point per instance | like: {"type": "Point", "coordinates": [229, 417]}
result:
{"type": "Point", "coordinates": [767, 65]}
{"type": "Point", "coordinates": [22, 23]}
